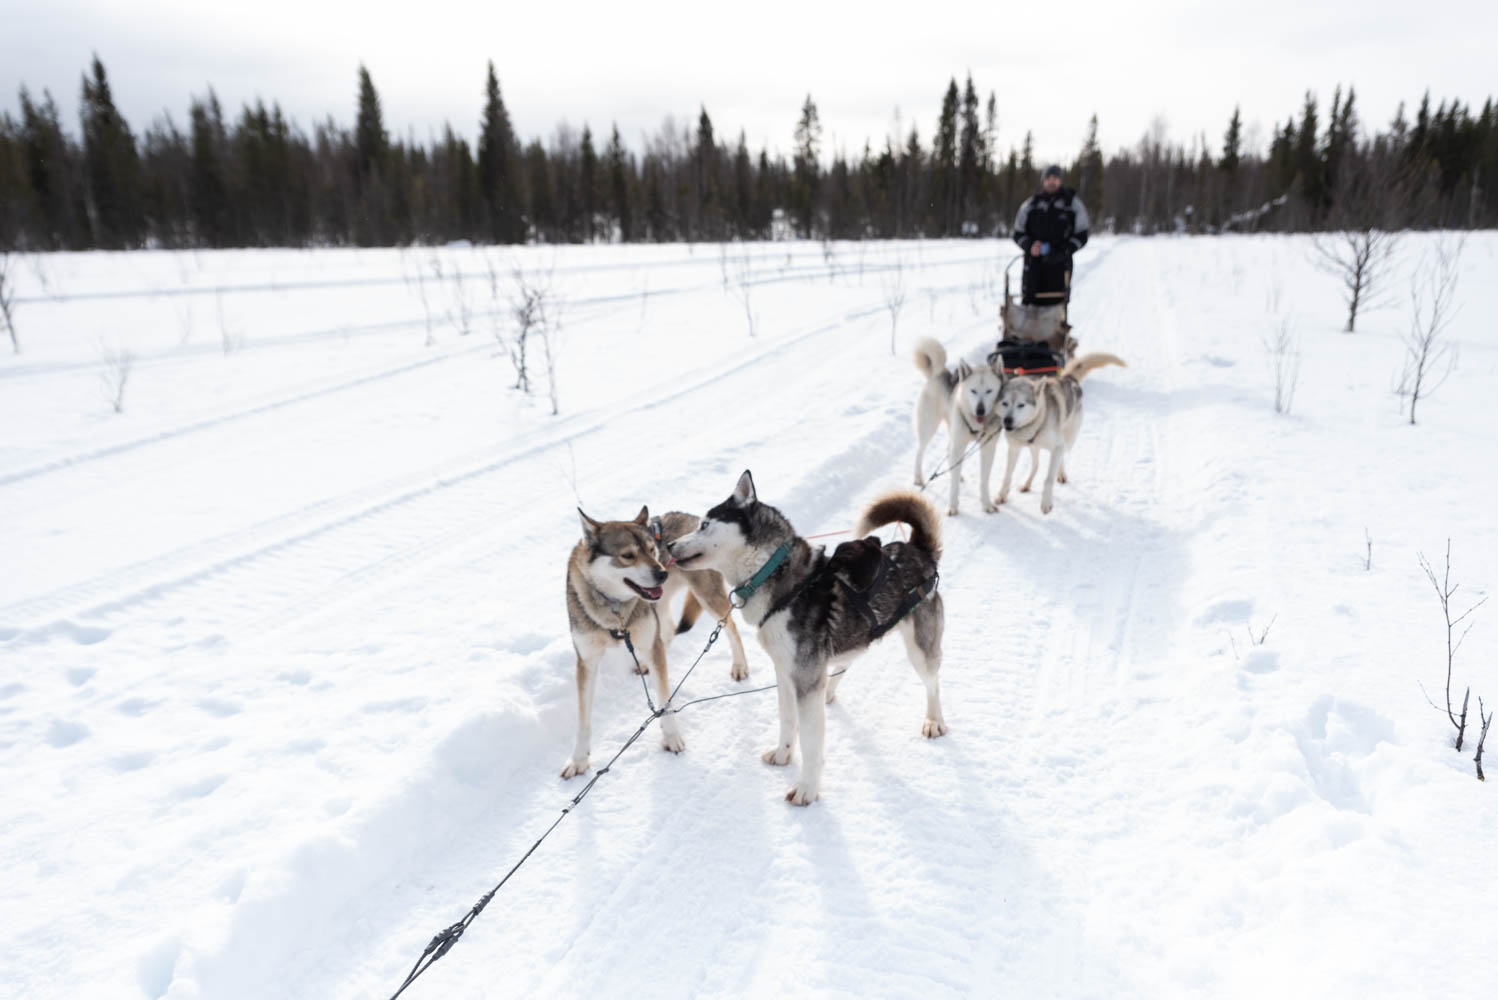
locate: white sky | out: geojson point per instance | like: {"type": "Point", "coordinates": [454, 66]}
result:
{"type": "Point", "coordinates": [1052, 65]}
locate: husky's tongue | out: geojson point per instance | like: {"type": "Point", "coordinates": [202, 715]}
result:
{"type": "Point", "coordinates": [649, 593]}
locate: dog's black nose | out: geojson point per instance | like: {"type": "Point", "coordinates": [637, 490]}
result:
{"type": "Point", "coordinates": [981, 411]}
{"type": "Point", "coordinates": [1009, 423]}
{"type": "Point", "coordinates": [660, 576]}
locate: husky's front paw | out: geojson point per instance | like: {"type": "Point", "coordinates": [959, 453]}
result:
{"type": "Point", "coordinates": [920, 481]}
{"type": "Point", "coordinates": [779, 756]}
{"type": "Point", "coordinates": [574, 767]}
{"type": "Point", "coordinates": [952, 511]}
{"type": "Point", "coordinates": [1001, 498]}
{"type": "Point", "coordinates": [740, 671]}
{"type": "Point", "coordinates": [802, 795]}
{"type": "Point", "coordinates": [1025, 488]}
{"type": "Point", "coordinates": [1045, 505]}
{"type": "Point", "coordinates": [989, 506]}
{"type": "Point", "coordinates": [932, 728]}
{"type": "Point", "coordinates": [671, 740]}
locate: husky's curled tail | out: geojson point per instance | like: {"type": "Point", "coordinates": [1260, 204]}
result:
{"type": "Point", "coordinates": [908, 508]}
{"type": "Point", "coordinates": [930, 357]}
{"type": "Point", "coordinates": [1078, 368]}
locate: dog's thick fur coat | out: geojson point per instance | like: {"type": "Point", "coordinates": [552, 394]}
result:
{"type": "Point", "coordinates": [1045, 412]}
{"type": "Point", "coordinates": [810, 611]}
{"type": "Point", "coordinates": [619, 580]}
{"type": "Point", "coordinates": [966, 400]}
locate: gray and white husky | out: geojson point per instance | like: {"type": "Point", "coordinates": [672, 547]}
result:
{"type": "Point", "coordinates": [1045, 412]}
{"type": "Point", "coordinates": [966, 399]}
{"type": "Point", "coordinates": [815, 613]}
{"type": "Point", "coordinates": [619, 582]}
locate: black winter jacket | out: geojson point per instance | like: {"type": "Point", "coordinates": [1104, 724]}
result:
{"type": "Point", "coordinates": [1059, 219]}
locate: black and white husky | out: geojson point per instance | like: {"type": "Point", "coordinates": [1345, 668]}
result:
{"type": "Point", "coordinates": [966, 399]}
{"type": "Point", "coordinates": [816, 612]}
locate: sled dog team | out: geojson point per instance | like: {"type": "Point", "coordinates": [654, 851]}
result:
{"type": "Point", "coordinates": [814, 612]}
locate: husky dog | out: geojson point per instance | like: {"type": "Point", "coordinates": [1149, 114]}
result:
{"type": "Point", "coordinates": [1045, 412]}
{"type": "Point", "coordinates": [815, 613]}
{"type": "Point", "coordinates": [965, 399]}
{"type": "Point", "coordinates": [618, 579]}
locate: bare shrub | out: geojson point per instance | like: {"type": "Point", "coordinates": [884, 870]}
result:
{"type": "Point", "coordinates": [230, 335]}
{"type": "Point", "coordinates": [1482, 738]}
{"type": "Point", "coordinates": [8, 299]}
{"type": "Point", "coordinates": [115, 374]}
{"type": "Point", "coordinates": [1372, 202]}
{"type": "Point", "coordinates": [1282, 349]}
{"type": "Point", "coordinates": [1429, 358]}
{"type": "Point", "coordinates": [415, 276]}
{"type": "Point", "coordinates": [183, 310]}
{"type": "Point", "coordinates": [1445, 590]}
{"type": "Point", "coordinates": [894, 298]}
{"type": "Point", "coordinates": [1262, 635]}
{"type": "Point", "coordinates": [742, 287]}
{"type": "Point", "coordinates": [1361, 259]}
{"type": "Point", "coordinates": [538, 320]}
{"type": "Point", "coordinates": [460, 311]}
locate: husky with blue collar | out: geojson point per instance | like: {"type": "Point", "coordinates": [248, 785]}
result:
{"type": "Point", "coordinates": [620, 582]}
{"type": "Point", "coordinates": [816, 612]}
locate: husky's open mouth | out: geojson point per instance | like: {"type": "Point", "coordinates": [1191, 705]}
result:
{"type": "Point", "coordinates": [684, 560]}
{"type": "Point", "coordinates": [649, 593]}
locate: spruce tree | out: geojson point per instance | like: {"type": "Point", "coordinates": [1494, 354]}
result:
{"type": "Point", "coordinates": [112, 167]}
{"type": "Point", "coordinates": [808, 168]}
{"type": "Point", "coordinates": [498, 168]}
{"type": "Point", "coordinates": [1232, 144]}
{"type": "Point", "coordinates": [52, 166]}
{"type": "Point", "coordinates": [370, 139]}
{"type": "Point", "coordinates": [619, 187]}
{"type": "Point", "coordinates": [944, 162]}
{"type": "Point", "coordinates": [743, 190]}
{"type": "Point", "coordinates": [587, 175]}
{"type": "Point", "coordinates": [1090, 172]}
{"type": "Point", "coordinates": [1307, 162]}
{"type": "Point", "coordinates": [969, 158]}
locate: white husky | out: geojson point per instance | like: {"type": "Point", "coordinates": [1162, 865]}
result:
{"type": "Point", "coordinates": [966, 399]}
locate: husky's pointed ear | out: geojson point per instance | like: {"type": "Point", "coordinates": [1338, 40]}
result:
{"type": "Point", "coordinates": [590, 526]}
{"type": "Point", "coordinates": [643, 517]}
{"type": "Point", "coordinates": [744, 493]}
{"type": "Point", "coordinates": [963, 370]}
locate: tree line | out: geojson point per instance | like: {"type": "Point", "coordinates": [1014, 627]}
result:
{"type": "Point", "coordinates": [257, 179]}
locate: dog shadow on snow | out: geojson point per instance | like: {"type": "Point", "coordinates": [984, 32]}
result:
{"type": "Point", "coordinates": [945, 869]}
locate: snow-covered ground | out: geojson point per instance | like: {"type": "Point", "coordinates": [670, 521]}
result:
{"type": "Point", "coordinates": [285, 682]}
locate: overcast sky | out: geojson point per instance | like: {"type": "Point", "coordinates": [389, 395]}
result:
{"type": "Point", "coordinates": [751, 64]}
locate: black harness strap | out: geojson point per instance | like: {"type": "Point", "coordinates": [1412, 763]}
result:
{"type": "Point", "coordinates": [860, 600]}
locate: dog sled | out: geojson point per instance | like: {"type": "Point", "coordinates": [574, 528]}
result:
{"type": "Point", "coordinates": [1033, 339]}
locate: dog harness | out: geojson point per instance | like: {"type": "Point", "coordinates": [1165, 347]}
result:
{"type": "Point", "coordinates": [860, 599]}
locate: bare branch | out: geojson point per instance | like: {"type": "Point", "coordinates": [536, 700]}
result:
{"type": "Point", "coordinates": [8, 298]}
{"type": "Point", "coordinates": [894, 298]}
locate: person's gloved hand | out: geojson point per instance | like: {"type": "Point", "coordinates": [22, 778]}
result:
{"type": "Point", "coordinates": [1045, 249]}
{"type": "Point", "coordinates": [1058, 254]}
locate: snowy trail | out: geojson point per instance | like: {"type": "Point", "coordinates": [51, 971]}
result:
{"type": "Point", "coordinates": [270, 733]}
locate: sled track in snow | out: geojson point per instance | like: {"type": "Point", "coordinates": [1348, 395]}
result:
{"type": "Point", "coordinates": [114, 592]}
